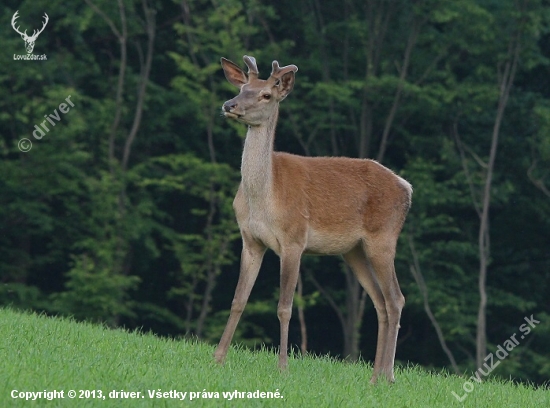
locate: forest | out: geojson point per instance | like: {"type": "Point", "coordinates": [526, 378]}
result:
{"type": "Point", "coordinates": [119, 170]}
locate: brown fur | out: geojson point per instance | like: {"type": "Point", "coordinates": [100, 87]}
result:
{"type": "Point", "coordinates": [319, 205]}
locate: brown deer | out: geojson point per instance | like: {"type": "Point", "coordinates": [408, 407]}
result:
{"type": "Point", "coordinates": [311, 205]}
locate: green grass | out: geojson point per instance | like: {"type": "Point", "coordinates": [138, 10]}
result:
{"type": "Point", "coordinates": [40, 353]}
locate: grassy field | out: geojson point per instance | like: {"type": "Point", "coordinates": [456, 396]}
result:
{"type": "Point", "coordinates": [42, 355]}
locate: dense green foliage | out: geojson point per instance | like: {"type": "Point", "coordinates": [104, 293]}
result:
{"type": "Point", "coordinates": [121, 212]}
{"type": "Point", "coordinates": [46, 354]}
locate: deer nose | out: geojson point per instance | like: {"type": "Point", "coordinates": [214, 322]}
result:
{"type": "Point", "coordinates": [229, 105]}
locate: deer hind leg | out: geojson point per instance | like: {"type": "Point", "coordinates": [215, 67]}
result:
{"type": "Point", "coordinates": [380, 251]}
{"type": "Point", "coordinates": [358, 262]}
{"type": "Point", "coordinates": [251, 260]}
{"type": "Point", "coordinates": [290, 269]}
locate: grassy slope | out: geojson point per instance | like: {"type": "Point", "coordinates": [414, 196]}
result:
{"type": "Point", "coordinates": [39, 353]}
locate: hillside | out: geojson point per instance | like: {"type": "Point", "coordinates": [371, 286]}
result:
{"type": "Point", "coordinates": [105, 367]}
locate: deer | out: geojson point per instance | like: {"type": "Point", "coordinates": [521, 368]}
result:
{"type": "Point", "coordinates": [29, 41]}
{"type": "Point", "coordinates": [296, 205]}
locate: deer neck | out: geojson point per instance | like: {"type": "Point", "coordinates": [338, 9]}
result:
{"type": "Point", "coordinates": [257, 160]}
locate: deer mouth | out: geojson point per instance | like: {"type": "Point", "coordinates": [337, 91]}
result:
{"type": "Point", "coordinates": [232, 115]}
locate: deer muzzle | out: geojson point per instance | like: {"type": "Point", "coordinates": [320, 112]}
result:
{"type": "Point", "coordinates": [229, 109]}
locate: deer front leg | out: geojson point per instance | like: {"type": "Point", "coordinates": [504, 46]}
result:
{"type": "Point", "coordinates": [251, 260]}
{"type": "Point", "coordinates": [290, 269]}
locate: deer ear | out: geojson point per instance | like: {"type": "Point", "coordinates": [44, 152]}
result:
{"type": "Point", "coordinates": [285, 84]}
{"type": "Point", "coordinates": [233, 73]}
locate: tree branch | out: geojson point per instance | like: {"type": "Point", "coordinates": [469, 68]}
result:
{"type": "Point", "coordinates": [122, 38]}
{"type": "Point", "coordinates": [329, 298]}
{"type": "Point", "coordinates": [398, 93]}
{"type": "Point", "coordinates": [464, 162]}
{"type": "Point", "coordinates": [144, 79]}
{"type": "Point", "coordinates": [539, 183]}
{"type": "Point", "coordinates": [419, 278]}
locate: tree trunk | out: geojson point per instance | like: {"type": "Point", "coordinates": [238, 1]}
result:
{"type": "Point", "coordinates": [506, 83]}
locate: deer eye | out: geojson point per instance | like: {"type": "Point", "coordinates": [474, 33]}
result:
{"type": "Point", "coordinates": [267, 97]}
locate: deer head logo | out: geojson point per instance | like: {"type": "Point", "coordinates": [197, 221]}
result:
{"type": "Point", "coordinates": [29, 41]}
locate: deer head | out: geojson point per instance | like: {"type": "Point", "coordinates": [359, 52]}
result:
{"type": "Point", "coordinates": [258, 99]}
{"type": "Point", "coordinates": [29, 41]}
